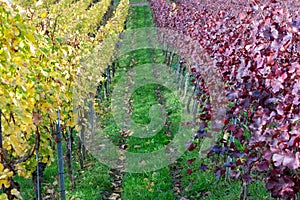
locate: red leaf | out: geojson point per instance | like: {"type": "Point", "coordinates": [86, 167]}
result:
{"type": "Point", "coordinates": [190, 146]}
{"type": "Point", "coordinates": [190, 161]}
{"type": "Point", "coordinates": [232, 127]}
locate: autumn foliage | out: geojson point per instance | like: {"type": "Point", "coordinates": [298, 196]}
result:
{"type": "Point", "coordinates": [257, 50]}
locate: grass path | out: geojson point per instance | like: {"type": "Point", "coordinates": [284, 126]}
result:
{"type": "Point", "coordinates": [149, 185]}
{"type": "Point", "coordinates": [132, 3]}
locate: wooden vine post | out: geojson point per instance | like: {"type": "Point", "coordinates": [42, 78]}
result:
{"type": "Point", "coordinates": [60, 158]}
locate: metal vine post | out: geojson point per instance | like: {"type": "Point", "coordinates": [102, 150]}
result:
{"type": "Point", "coordinates": [60, 158]}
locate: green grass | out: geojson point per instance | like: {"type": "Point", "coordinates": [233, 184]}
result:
{"type": "Point", "coordinates": [92, 182]}
{"type": "Point", "coordinates": [154, 185]}
{"type": "Point", "coordinates": [27, 191]}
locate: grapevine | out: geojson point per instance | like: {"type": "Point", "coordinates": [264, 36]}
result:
{"type": "Point", "coordinates": [256, 50]}
{"type": "Point", "coordinates": [37, 76]}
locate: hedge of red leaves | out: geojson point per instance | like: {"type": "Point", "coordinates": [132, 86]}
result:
{"type": "Point", "coordinates": [257, 50]}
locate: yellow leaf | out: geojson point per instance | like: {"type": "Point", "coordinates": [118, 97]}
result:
{"type": "Point", "coordinates": [3, 197]}
{"type": "Point", "coordinates": [8, 173]}
{"type": "Point", "coordinates": [16, 193]}
{"type": "Point", "coordinates": [45, 160]}
{"type": "Point", "coordinates": [27, 119]}
{"type": "Point", "coordinates": [46, 105]}
{"type": "Point", "coordinates": [44, 15]}
{"type": "Point", "coordinates": [1, 167]}
{"type": "Point", "coordinates": [16, 144]}
{"type": "Point", "coordinates": [18, 61]}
